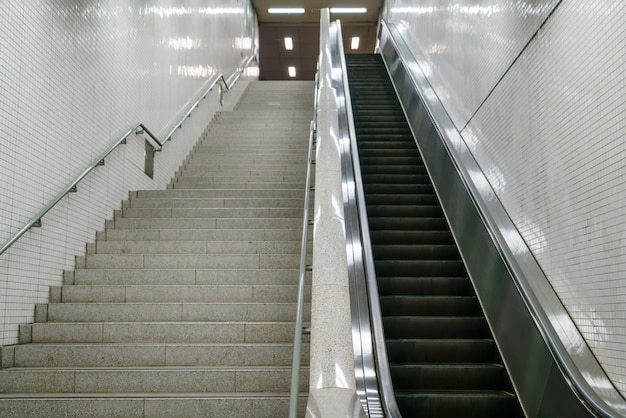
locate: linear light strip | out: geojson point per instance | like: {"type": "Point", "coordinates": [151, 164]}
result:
{"type": "Point", "coordinates": [285, 10]}
{"type": "Point", "coordinates": [346, 10]}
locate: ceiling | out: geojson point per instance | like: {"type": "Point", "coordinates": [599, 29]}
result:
{"type": "Point", "coordinates": [304, 29]}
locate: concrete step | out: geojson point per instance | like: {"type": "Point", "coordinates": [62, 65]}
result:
{"type": "Point", "coordinates": [178, 293]}
{"type": "Point", "coordinates": [258, 405]}
{"type": "Point", "coordinates": [240, 172]}
{"type": "Point", "coordinates": [218, 203]}
{"type": "Point", "coordinates": [166, 312]}
{"type": "Point", "coordinates": [180, 213]}
{"type": "Point", "coordinates": [250, 160]}
{"type": "Point", "coordinates": [182, 276]}
{"type": "Point", "coordinates": [194, 247]}
{"type": "Point", "coordinates": [154, 332]}
{"type": "Point", "coordinates": [225, 178]}
{"type": "Point", "coordinates": [206, 162]}
{"type": "Point", "coordinates": [206, 223]}
{"type": "Point", "coordinates": [148, 380]}
{"type": "Point", "coordinates": [189, 261]}
{"type": "Point", "coordinates": [148, 355]}
{"type": "Point", "coordinates": [200, 235]}
{"type": "Point", "coordinates": [218, 194]}
{"type": "Point", "coordinates": [247, 186]}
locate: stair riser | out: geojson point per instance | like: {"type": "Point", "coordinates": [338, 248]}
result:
{"type": "Point", "coordinates": [173, 312]}
{"type": "Point", "coordinates": [208, 261]}
{"type": "Point", "coordinates": [201, 332]}
{"type": "Point", "coordinates": [222, 223]}
{"type": "Point", "coordinates": [149, 381]}
{"type": "Point", "coordinates": [147, 213]}
{"type": "Point", "coordinates": [211, 194]}
{"type": "Point", "coordinates": [208, 181]}
{"type": "Point", "coordinates": [152, 355]}
{"type": "Point", "coordinates": [183, 277]}
{"type": "Point", "coordinates": [261, 406]}
{"type": "Point", "coordinates": [178, 293]}
{"type": "Point", "coordinates": [240, 186]}
{"type": "Point", "coordinates": [201, 235]}
{"type": "Point", "coordinates": [216, 203]}
{"type": "Point", "coordinates": [195, 247]}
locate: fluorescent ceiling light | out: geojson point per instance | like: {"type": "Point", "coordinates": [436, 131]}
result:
{"type": "Point", "coordinates": [288, 43]}
{"type": "Point", "coordinates": [348, 10]}
{"type": "Point", "coordinates": [285, 10]}
{"type": "Point", "coordinates": [355, 42]}
{"type": "Point", "coordinates": [291, 71]}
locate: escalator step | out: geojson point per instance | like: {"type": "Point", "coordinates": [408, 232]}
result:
{"type": "Point", "coordinates": [415, 252]}
{"type": "Point", "coordinates": [390, 160]}
{"type": "Point", "coordinates": [411, 237]}
{"type": "Point", "coordinates": [435, 327]}
{"type": "Point", "coordinates": [454, 286]}
{"type": "Point", "coordinates": [407, 210]}
{"type": "Point", "coordinates": [442, 350]}
{"type": "Point", "coordinates": [395, 178]}
{"type": "Point", "coordinates": [447, 404]}
{"type": "Point", "coordinates": [472, 376]}
{"type": "Point", "coordinates": [386, 143]}
{"type": "Point", "coordinates": [419, 268]}
{"type": "Point", "coordinates": [429, 305]}
{"type": "Point", "coordinates": [393, 169]}
{"type": "Point", "coordinates": [405, 223]}
{"type": "Point", "coordinates": [427, 199]}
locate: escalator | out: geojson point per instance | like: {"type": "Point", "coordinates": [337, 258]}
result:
{"type": "Point", "coordinates": [442, 357]}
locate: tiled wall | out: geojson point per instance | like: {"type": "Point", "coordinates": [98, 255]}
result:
{"type": "Point", "coordinates": [536, 90]}
{"type": "Point", "coordinates": [74, 76]}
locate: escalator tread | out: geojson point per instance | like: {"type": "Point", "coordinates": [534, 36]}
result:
{"type": "Point", "coordinates": [442, 356]}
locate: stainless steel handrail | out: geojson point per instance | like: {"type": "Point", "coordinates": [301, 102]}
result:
{"type": "Point", "coordinates": [297, 339]}
{"type": "Point", "coordinates": [226, 85]}
{"type": "Point", "coordinates": [139, 128]}
{"type": "Point", "coordinates": [382, 396]}
{"type": "Point", "coordinates": [379, 394]}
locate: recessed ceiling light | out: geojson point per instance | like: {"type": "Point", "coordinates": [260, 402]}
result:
{"type": "Point", "coordinates": [285, 10]}
{"type": "Point", "coordinates": [354, 44]}
{"type": "Point", "coordinates": [291, 71]}
{"type": "Point", "coordinates": [288, 43]}
{"type": "Point", "coordinates": [348, 10]}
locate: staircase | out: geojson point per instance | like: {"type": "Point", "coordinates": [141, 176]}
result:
{"type": "Point", "coordinates": [442, 357]}
{"type": "Point", "coordinates": [185, 304]}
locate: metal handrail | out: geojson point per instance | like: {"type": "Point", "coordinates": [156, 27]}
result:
{"type": "Point", "coordinates": [225, 85]}
{"type": "Point", "coordinates": [297, 340]}
{"type": "Point", "coordinates": [379, 393]}
{"type": "Point", "coordinates": [139, 128]}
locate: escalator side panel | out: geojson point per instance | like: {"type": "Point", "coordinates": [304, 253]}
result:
{"type": "Point", "coordinates": [539, 383]}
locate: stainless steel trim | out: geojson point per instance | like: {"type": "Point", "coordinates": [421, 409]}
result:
{"type": "Point", "coordinates": [552, 368]}
{"type": "Point", "coordinates": [370, 369]}
{"type": "Point", "coordinates": [139, 128]}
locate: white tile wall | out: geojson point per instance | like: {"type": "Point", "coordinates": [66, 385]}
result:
{"type": "Point", "coordinates": [550, 137]}
{"type": "Point", "coordinates": [74, 75]}
{"type": "Point", "coordinates": [467, 44]}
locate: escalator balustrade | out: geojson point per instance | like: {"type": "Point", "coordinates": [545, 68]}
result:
{"type": "Point", "coordinates": [442, 356]}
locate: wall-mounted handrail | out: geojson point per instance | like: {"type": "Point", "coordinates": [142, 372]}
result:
{"type": "Point", "coordinates": [138, 128]}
